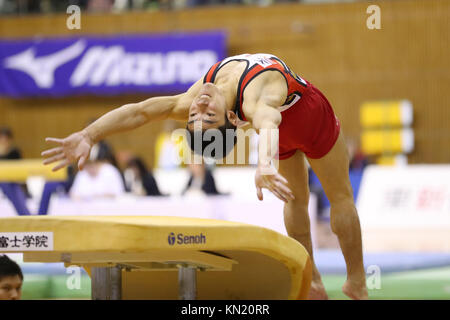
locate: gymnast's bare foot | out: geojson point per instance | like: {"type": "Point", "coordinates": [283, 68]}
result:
{"type": "Point", "coordinates": [355, 290]}
{"type": "Point", "coordinates": [317, 291]}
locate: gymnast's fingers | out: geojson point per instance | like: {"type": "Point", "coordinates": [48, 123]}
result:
{"type": "Point", "coordinates": [52, 152]}
{"type": "Point", "coordinates": [63, 164]}
{"type": "Point", "coordinates": [277, 184]}
{"type": "Point", "coordinates": [82, 162]}
{"type": "Point", "coordinates": [280, 178]}
{"type": "Point", "coordinates": [259, 193]}
{"type": "Point", "coordinates": [58, 157]}
{"type": "Point", "coordinates": [278, 194]}
{"type": "Point", "coordinates": [286, 196]}
{"type": "Point", "coordinates": [59, 141]}
{"type": "Point", "coordinates": [284, 189]}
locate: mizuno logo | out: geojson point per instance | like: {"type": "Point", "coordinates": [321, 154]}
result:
{"type": "Point", "coordinates": [42, 69]}
{"type": "Point", "coordinates": [113, 66]}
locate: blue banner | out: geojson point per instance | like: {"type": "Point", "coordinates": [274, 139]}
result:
{"type": "Point", "coordinates": [108, 65]}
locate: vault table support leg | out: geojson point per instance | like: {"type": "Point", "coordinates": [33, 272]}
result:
{"type": "Point", "coordinates": [106, 283]}
{"type": "Point", "coordinates": [187, 283]}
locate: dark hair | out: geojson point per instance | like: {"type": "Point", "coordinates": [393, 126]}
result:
{"type": "Point", "coordinates": [226, 131]}
{"type": "Point", "coordinates": [9, 268]}
{"type": "Point", "coordinates": [139, 164]}
{"type": "Point", "coordinates": [148, 181]}
{"type": "Point", "coordinates": [5, 131]}
{"type": "Point", "coordinates": [103, 152]}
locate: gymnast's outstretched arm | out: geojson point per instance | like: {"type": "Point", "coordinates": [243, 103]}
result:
{"type": "Point", "coordinates": [266, 121]}
{"type": "Point", "coordinates": [76, 147]}
{"type": "Point", "coordinates": [262, 99]}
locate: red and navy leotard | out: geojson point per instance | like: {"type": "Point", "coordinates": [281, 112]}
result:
{"type": "Point", "coordinates": [308, 121]}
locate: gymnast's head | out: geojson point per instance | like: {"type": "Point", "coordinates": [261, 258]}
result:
{"type": "Point", "coordinates": [211, 127]}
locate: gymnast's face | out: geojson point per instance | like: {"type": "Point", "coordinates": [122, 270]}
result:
{"type": "Point", "coordinates": [207, 109]}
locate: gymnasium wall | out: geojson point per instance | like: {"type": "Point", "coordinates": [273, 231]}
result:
{"type": "Point", "coordinates": [328, 44]}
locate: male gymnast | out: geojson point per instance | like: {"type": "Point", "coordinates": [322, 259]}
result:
{"type": "Point", "coordinates": [260, 90]}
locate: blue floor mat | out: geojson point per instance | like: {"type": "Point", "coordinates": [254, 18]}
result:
{"type": "Point", "coordinates": [332, 261]}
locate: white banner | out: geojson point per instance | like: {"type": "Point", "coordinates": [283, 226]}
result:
{"type": "Point", "coordinates": [405, 196]}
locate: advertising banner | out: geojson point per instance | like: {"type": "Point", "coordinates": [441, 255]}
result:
{"type": "Point", "coordinates": [107, 65]}
{"type": "Point", "coordinates": [405, 196]}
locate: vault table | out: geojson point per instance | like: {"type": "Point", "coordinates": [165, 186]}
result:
{"type": "Point", "coordinates": [156, 257]}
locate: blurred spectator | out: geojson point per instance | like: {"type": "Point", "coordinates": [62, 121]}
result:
{"type": "Point", "coordinates": [196, 3]}
{"type": "Point", "coordinates": [122, 5]}
{"type": "Point", "coordinates": [28, 6]}
{"type": "Point", "coordinates": [15, 192]}
{"type": "Point", "coordinates": [100, 5]}
{"type": "Point", "coordinates": [201, 179]}
{"type": "Point", "coordinates": [49, 6]}
{"type": "Point", "coordinates": [104, 150]}
{"type": "Point", "coordinates": [59, 6]}
{"type": "Point", "coordinates": [62, 5]}
{"type": "Point", "coordinates": [139, 180]}
{"type": "Point", "coordinates": [98, 179]}
{"type": "Point", "coordinates": [7, 149]}
{"type": "Point", "coordinates": [358, 160]}
{"type": "Point", "coordinates": [11, 279]}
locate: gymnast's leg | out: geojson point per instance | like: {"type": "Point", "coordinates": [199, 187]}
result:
{"type": "Point", "coordinates": [333, 173]}
{"type": "Point", "coordinates": [296, 217]}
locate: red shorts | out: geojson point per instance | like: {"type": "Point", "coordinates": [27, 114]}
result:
{"type": "Point", "coordinates": [310, 125]}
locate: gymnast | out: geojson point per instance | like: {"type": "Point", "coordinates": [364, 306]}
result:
{"type": "Point", "coordinates": [261, 91]}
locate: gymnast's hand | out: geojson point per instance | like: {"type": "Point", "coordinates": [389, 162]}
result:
{"type": "Point", "coordinates": [75, 147]}
{"type": "Point", "coordinates": [269, 178]}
